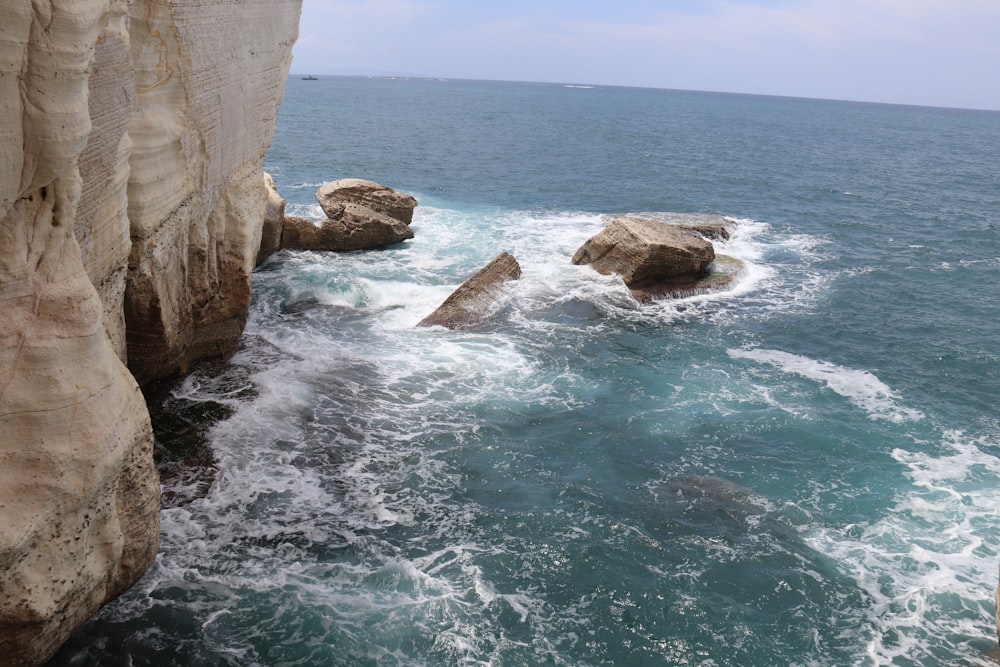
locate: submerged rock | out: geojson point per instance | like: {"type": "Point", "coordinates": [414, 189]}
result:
{"type": "Point", "coordinates": [351, 227]}
{"type": "Point", "coordinates": [477, 297]}
{"type": "Point", "coordinates": [644, 251]}
{"type": "Point", "coordinates": [332, 197]}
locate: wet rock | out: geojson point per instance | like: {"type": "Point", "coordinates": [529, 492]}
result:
{"type": "Point", "coordinates": [719, 276]}
{"type": "Point", "coordinates": [349, 227]}
{"type": "Point", "coordinates": [477, 297]}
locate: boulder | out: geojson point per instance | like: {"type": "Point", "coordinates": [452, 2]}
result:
{"type": "Point", "coordinates": [477, 297]}
{"type": "Point", "coordinates": [351, 227]}
{"type": "Point", "coordinates": [332, 196]}
{"type": "Point", "coordinates": [644, 251]}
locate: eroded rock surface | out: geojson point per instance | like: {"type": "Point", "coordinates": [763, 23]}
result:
{"type": "Point", "coordinates": [714, 227]}
{"type": "Point", "coordinates": [477, 297]}
{"type": "Point", "coordinates": [719, 275]}
{"type": "Point", "coordinates": [209, 77]}
{"type": "Point", "coordinates": [111, 112]}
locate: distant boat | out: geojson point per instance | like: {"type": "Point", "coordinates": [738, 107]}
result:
{"type": "Point", "coordinates": [309, 78]}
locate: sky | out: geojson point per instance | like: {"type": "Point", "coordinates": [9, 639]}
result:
{"type": "Point", "coordinates": [926, 52]}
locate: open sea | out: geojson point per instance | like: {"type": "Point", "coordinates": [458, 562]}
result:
{"type": "Point", "coordinates": [801, 470]}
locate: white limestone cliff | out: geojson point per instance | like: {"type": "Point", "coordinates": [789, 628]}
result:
{"type": "Point", "coordinates": [131, 203]}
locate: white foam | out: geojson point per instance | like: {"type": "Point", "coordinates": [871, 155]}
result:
{"type": "Point", "coordinates": [929, 566]}
{"type": "Point", "coordinates": [861, 388]}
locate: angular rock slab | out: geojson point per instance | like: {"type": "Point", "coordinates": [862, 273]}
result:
{"type": "Point", "coordinates": [353, 227]}
{"type": "Point", "coordinates": [332, 196]}
{"type": "Point", "coordinates": [476, 298]}
{"type": "Point", "coordinates": [641, 251]}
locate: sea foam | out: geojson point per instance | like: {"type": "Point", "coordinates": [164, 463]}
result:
{"type": "Point", "coordinates": [861, 388]}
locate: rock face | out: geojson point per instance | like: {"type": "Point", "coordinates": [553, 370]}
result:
{"type": "Point", "coordinates": [644, 251]}
{"type": "Point", "coordinates": [477, 297]}
{"type": "Point", "coordinates": [154, 113]}
{"type": "Point", "coordinates": [208, 80]}
{"type": "Point", "coordinates": [332, 196]}
{"type": "Point", "coordinates": [274, 222]}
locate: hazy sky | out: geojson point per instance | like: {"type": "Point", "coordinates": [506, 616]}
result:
{"type": "Point", "coordinates": [935, 52]}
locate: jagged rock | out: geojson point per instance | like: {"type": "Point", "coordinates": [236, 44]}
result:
{"type": "Point", "coordinates": [720, 274]}
{"type": "Point", "coordinates": [355, 227]}
{"type": "Point", "coordinates": [332, 196]}
{"type": "Point", "coordinates": [477, 297]}
{"type": "Point", "coordinates": [274, 221]}
{"type": "Point", "coordinates": [644, 251]}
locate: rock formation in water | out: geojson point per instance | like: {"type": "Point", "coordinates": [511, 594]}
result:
{"type": "Point", "coordinates": [642, 251]}
{"type": "Point", "coordinates": [332, 196]}
{"type": "Point", "coordinates": [131, 205]}
{"type": "Point", "coordinates": [208, 80]}
{"type": "Point", "coordinates": [352, 227]}
{"type": "Point", "coordinates": [669, 255]}
{"type": "Point", "coordinates": [360, 215]}
{"type": "Point", "coordinates": [477, 297]}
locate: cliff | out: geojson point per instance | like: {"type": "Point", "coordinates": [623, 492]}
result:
{"type": "Point", "coordinates": [131, 204]}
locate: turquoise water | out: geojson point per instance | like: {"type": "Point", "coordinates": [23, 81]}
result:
{"type": "Point", "coordinates": [800, 471]}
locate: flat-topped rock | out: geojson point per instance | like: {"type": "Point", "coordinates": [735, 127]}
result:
{"type": "Point", "coordinates": [477, 297]}
{"type": "Point", "coordinates": [714, 227]}
{"type": "Point", "coordinates": [643, 250]}
{"type": "Point", "coordinates": [331, 196]}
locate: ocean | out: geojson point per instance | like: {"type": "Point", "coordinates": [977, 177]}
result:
{"type": "Point", "coordinates": [803, 469]}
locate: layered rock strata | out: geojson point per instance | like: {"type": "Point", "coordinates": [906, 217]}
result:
{"type": "Point", "coordinates": [208, 80]}
{"type": "Point", "coordinates": [131, 204]}
{"type": "Point", "coordinates": [477, 298]}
